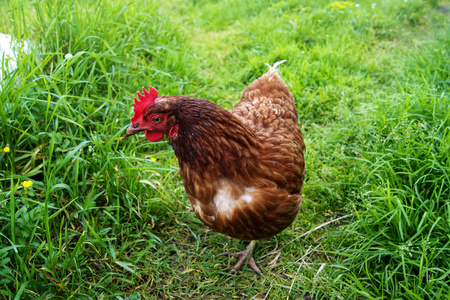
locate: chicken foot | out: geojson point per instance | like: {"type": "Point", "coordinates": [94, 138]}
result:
{"type": "Point", "coordinates": [245, 257]}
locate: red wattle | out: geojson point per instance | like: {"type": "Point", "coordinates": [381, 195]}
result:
{"type": "Point", "coordinates": [154, 136]}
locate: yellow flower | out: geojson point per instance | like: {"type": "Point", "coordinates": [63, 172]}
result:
{"type": "Point", "coordinates": [6, 149]}
{"type": "Point", "coordinates": [153, 159]}
{"type": "Point", "coordinates": [27, 183]}
{"type": "Point", "coordinates": [340, 4]}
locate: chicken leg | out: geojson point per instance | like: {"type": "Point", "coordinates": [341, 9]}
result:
{"type": "Point", "coordinates": [245, 256]}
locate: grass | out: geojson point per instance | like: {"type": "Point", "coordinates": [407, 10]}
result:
{"type": "Point", "coordinates": [107, 217]}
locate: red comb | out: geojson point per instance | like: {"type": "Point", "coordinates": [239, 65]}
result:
{"type": "Point", "coordinates": [145, 101]}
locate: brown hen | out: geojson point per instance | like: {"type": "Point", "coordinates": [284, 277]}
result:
{"type": "Point", "coordinates": [243, 169]}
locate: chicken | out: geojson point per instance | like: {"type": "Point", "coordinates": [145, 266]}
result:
{"type": "Point", "coordinates": [243, 169]}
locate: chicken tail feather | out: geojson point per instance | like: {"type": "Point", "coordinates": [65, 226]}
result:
{"type": "Point", "coordinates": [273, 69]}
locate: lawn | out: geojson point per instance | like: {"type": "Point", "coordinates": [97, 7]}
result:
{"type": "Point", "coordinates": [106, 217]}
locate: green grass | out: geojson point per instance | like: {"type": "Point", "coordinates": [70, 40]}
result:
{"type": "Point", "coordinates": [104, 220]}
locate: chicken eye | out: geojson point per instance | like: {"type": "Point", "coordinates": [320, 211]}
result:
{"type": "Point", "coordinates": [156, 120]}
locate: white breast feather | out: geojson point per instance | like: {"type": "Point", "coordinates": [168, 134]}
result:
{"type": "Point", "coordinates": [225, 203]}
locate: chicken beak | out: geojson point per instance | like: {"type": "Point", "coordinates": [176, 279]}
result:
{"type": "Point", "coordinates": [133, 129]}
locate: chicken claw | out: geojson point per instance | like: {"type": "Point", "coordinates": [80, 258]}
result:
{"type": "Point", "coordinates": [245, 257]}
